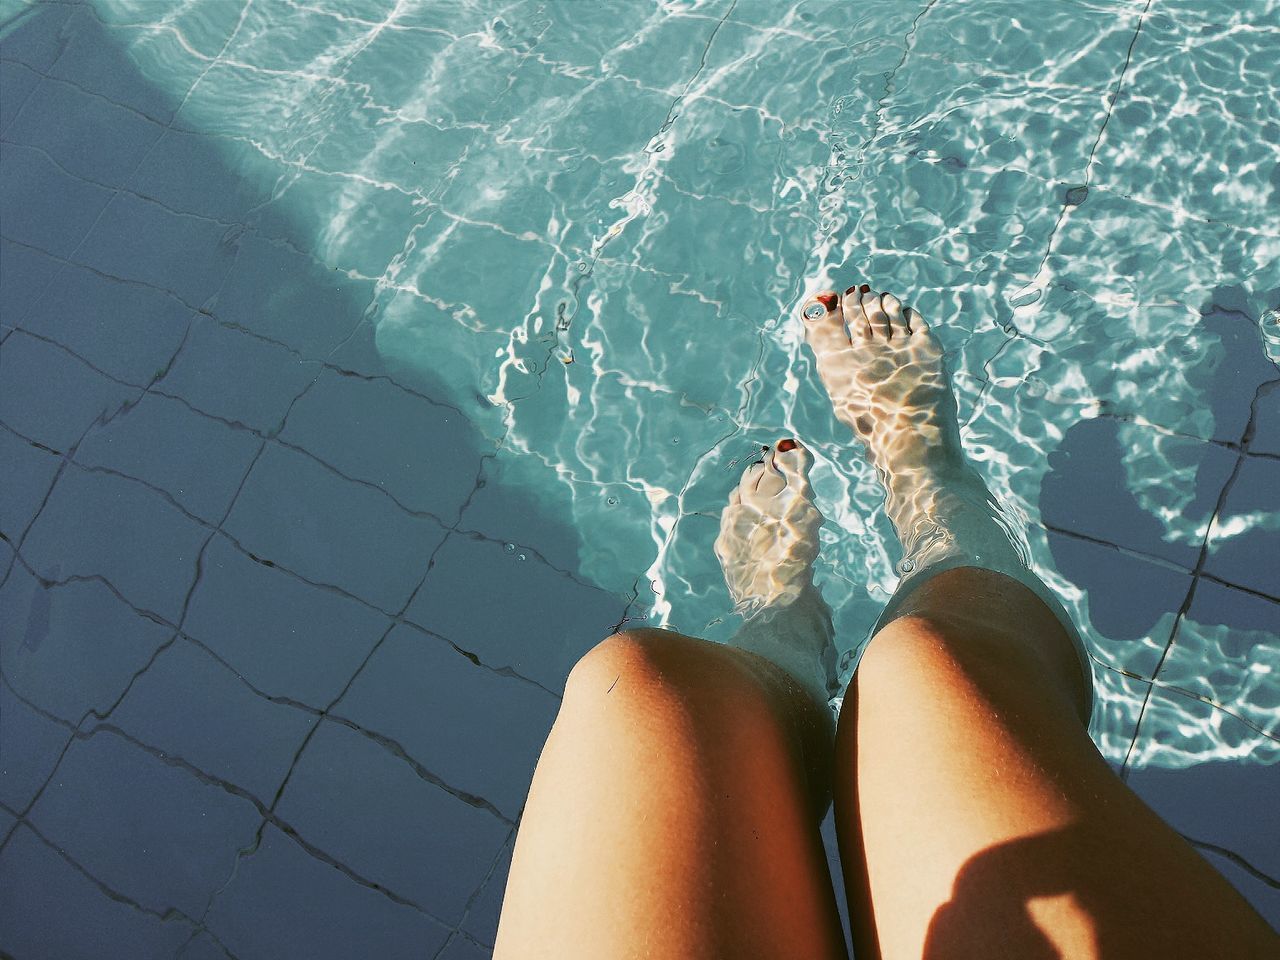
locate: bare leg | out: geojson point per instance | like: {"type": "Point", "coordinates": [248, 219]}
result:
{"type": "Point", "coordinates": [674, 809]}
{"type": "Point", "coordinates": [976, 818]}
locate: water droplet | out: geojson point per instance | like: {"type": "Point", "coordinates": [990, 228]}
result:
{"type": "Point", "coordinates": [510, 548]}
{"type": "Point", "coordinates": [675, 439]}
{"type": "Point", "coordinates": [521, 556]}
{"type": "Point", "coordinates": [815, 310]}
{"type": "Point", "coordinates": [612, 501]}
{"type": "Point", "coordinates": [906, 566]}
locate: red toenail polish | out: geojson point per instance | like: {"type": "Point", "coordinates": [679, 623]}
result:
{"type": "Point", "coordinates": [853, 289]}
{"type": "Point", "coordinates": [828, 300]}
{"type": "Point", "coordinates": [787, 445]}
{"type": "Point", "coordinates": [866, 288]}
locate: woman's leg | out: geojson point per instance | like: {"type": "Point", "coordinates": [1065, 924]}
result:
{"type": "Point", "coordinates": [674, 811]}
{"type": "Point", "coordinates": [672, 814]}
{"type": "Point", "coordinates": [976, 818]}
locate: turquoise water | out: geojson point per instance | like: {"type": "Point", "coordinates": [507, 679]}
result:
{"type": "Point", "coordinates": [588, 226]}
{"type": "Point", "coordinates": [363, 363]}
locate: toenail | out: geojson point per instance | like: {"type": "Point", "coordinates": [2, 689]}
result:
{"type": "Point", "coordinates": [787, 445]}
{"type": "Point", "coordinates": [828, 300]}
{"type": "Point", "coordinates": [865, 288]}
{"type": "Point", "coordinates": [853, 289]}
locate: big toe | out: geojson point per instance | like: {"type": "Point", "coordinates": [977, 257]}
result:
{"type": "Point", "coordinates": [824, 325]}
{"type": "Point", "coordinates": [792, 462]}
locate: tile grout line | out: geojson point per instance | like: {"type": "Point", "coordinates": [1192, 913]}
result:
{"type": "Point", "coordinates": [1201, 560]}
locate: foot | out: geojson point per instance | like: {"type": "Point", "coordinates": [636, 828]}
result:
{"type": "Point", "coordinates": [767, 544]}
{"type": "Point", "coordinates": [883, 370]}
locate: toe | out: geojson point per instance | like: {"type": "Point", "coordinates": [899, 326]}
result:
{"type": "Point", "coordinates": [771, 480]}
{"type": "Point", "coordinates": [854, 318]}
{"type": "Point", "coordinates": [792, 461]}
{"type": "Point", "coordinates": [896, 313]}
{"type": "Point", "coordinates": [751, 479]}
{"type": "Point", "coordinates": [876, 316]}
{"type": "Point", "coordinates": [823, 324]}
{"type": "Point", "coordinates": [915, 322]}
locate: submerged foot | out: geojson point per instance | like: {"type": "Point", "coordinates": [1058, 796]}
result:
{"type": "Point", "coordinates": [883, 370]}
{"type": "Point", "coordinates": [767, 544]}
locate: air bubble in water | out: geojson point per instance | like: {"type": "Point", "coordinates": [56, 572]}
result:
{"type": "Point", "coordinates": [814, 311]}
{"type": "Point", "coordinates": [521, 556]}
{"type": "Point", "coordinates": [510, 548]}
{"type": "Point", "coordinates": [906, 566]}
{"type": "Point", "coordinates": [612, 501]}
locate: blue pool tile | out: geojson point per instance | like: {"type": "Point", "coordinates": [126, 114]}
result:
{"type": "Point", "coordinates": [1088, 491]}
{"type": "Point", "coordinates": [482, 919]}
{"type": "Point", "coordinates": [1115, 718]}
{"type": "Point", "coordinates": [51, 909]}
{"type": "Point", "coordinates": [1228, 651]}
{"type": "Point", "coordinates": [1191, 96]}
{"type": "Point", "coordinates": [368, 808]}
{"type": "Point", "coordinates": [461, 948]}
{"type": "Point", "coordinates": [582, 37]}
{"type": "Point", "coordinates": [98, 524]}
{"type": "Point", "coordinates": [1266, 422]}
{"type": "Point", "coordinates": [25, 274]}
{"type": "Point", "coordinates": [283, 904]}
{"type": "Point", "coordinates": [213, 177]}
{"type": "Point", "coordinates": [93, 139]}
{"type": "Point", "coordinates": [1229, 803]}
{"type": "Point", "coordinates": [197, 460]}
{"type": "Point", "coordinates": [17, 80]}
{"type": "Point", "coordinates": [190, 706]}
{"type": "Point", "coordinates": [35, 36]}
{"type": "Point", "coordinates": [362, 231]}
{"type": "Point", "coordinates": [465, 77]}
{"type": "Point", "coordinates": [130, 331]}
{"type": "Point", "coordinates": [95, 59]}
{"type": "Point", "coordinates": [140, 240]}
{"type": "Point", "coordinates": [280, 293]}
{"type": "Point", "coordinates": [461, 272]}
{"type": "Point", "coordinates": [204, 947]}
{"type": "Point", "coordinates": [30, 745]}
{"type": "Point", "coordinates": [301, 515]}
{"type": "Point", "coordinates": [416, 157]}
{"type": "Point", "coordinates": [269, 626]}
{"type": "Point", "coordinates": [545, 622]}
{"type": "Point", "coordinates": [49, 396]}
{"type": "Point", "coordinates": [286, 637]}
{"type": "Point", "coordinates": [157, 834]}
{"type": "Point", "coordinates": [268, 376]}
{"type": "Point", "coordinates": [505, 508]}
{"type": "Point", "coordinates": [43, 206]}
{"type": "Point", "coordinates": [1244, 543]}
{"type": "Point", "coordinates": [419, 452]}
{"type": "Point", "coordinates": [29, 472]}
{"type": "Point", "coordinates": [1132, 603]}
{"type": "Point", "coordinates": [73, 647]}
{"type": "Point", "coordinates": [1137, 253]}
{"type": "Point", "coordinates": [479, 731]}
{"type": "Point", "coordinates": [1264, 896]}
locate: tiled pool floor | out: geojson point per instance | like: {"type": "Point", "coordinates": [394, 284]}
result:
{"type": "Point", "coordinates": [266, 688]}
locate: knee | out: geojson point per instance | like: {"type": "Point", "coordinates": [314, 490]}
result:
{"type": "Point", "coordinates": [652, 666]}
{"type": "Point", "coordinates": [643, 657]}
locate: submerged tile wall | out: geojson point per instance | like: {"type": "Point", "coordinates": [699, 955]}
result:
{"type": "Point", "coordinates": [276, 656]}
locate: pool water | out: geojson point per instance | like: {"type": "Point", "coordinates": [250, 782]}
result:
{"type": "Point", "coordinates": [350, 345]}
